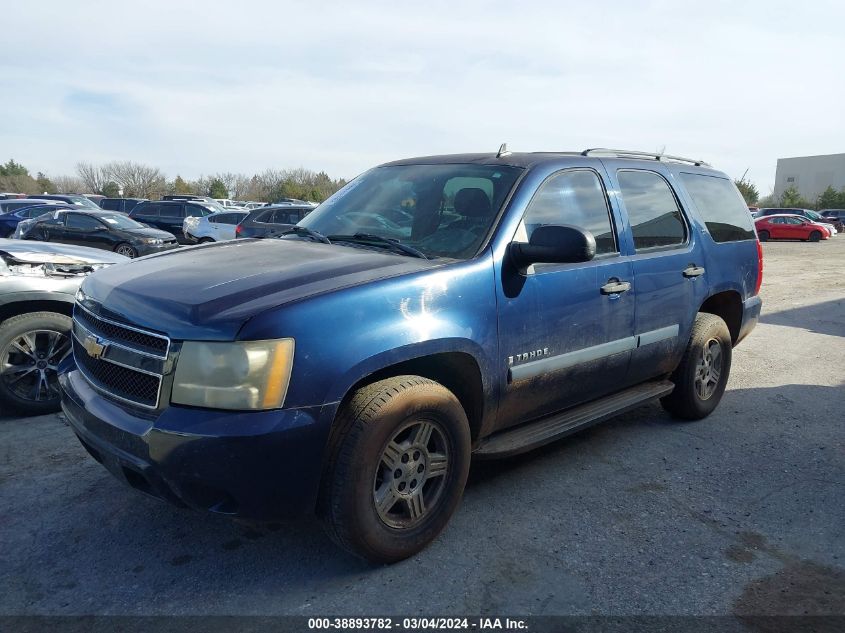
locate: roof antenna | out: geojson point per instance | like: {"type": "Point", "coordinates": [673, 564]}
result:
{"type": "Point", "coordinates": [503, 150]}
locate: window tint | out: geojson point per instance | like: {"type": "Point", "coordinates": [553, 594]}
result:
{"type": "Point", "coordinates": [198, 210]}
{"type": "Point", "coordinates": [721, 207]}
{"type": "Point", "coordinates": [284, 216]}
{"type": "Point", "coordinates": [172, 211]}
{"type": "Point", "coordinates": [573, 197]}
{"type": "Point", "coordinates": [110, 205]}
{"type": "Point", "coordinates": [83, 222]}
{"type": "Point", "coordinates": [652, 210]}
{"type": "Point", "coordinates": [146, 210]}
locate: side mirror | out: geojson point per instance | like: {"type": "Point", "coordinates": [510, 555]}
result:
{"type": "Point", "coordinates": [554, 244]}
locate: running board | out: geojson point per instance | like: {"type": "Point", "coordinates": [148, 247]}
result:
{"type": "Point", "coordinates": [533, 434]}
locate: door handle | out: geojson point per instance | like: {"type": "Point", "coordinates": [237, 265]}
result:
{"type": "Point", "coordinates": [615, 287]}
{"type": "Point", "coordinates": [693, 271]}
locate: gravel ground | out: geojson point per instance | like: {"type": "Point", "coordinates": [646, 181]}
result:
{"type": "Point", "coordinates": [741, 513]}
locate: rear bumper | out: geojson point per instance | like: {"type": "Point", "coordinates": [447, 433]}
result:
{"type": "Point", "coordinates": [258, 465]}
{"type": "Point", "coordinates": [750, 316]}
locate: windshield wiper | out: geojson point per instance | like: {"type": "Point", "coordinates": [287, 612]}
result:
{"type": "Point", "coordinates": [364, 238]}
{"type": "Point", "coordinates": [305, 232]}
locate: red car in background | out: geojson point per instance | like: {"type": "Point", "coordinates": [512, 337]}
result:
{"type": "Point", "coordinates": [789, 227]}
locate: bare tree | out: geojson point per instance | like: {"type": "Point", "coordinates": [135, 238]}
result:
{"type": "Point", "coordinates": [69, 184]}
{"type": "Point", "coordinates": [93, 177]}
{"type": "Point", "coordinates": [136, 180]}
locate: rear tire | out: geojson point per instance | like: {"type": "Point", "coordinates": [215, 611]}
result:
{"type": "Point", "coordinates": [397, 464]}
{"type": "Point", "coordinates": [815, 236]}
{"type": "Point", "coordinates": [126, 250]}
{"type": "Point", "coordinates": [702, 375]}
{"type": "Point", "coordinates": [763, 236]}
{"type": "Point", "coordinates": [31, 347]}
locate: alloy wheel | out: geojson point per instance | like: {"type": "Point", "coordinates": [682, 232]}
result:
{"type": "Point", "coordinates": [709, 369]}
{"type": "Point", "coordinates": [30, 364]}
{"type": "Point", "coordinates": [411, 475]}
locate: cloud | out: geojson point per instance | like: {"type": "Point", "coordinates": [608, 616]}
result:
{"type": "Point", "coordinates": [200, 87]}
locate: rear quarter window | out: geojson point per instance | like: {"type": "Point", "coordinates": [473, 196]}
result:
{"type": "Point", "coordinates": [721, 206]}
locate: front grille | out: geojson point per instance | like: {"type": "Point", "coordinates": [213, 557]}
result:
{"type": "Point", "coordinates": [115, 380]}
{"type": "Point", "coordinates": [146, 342]}
{"type": "Point", "coordinates": [119, 360]}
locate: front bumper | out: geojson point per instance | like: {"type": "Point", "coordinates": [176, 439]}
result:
{"type": "Point", "coordinates": [149, 249]}
{"type": "Point", "coordinates": [259, 465]}
{"type": "Point", "coordinates": [750, 316]}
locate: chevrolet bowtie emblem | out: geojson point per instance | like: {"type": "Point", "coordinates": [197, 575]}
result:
{"type": "Point", "coordinates": [93, 346]}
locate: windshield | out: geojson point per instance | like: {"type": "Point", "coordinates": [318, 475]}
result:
{"type": "Point", "coordinates": [813, 215]}
{"type": "Point", "coordinates": [440, 210]}
{"type": "Point", "coordinates": [120, 221]}
{"type": "Point", "coordinates": [82, 201]}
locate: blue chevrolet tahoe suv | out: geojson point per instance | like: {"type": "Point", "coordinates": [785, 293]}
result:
{"type": "Point", "coordinates": [432, 310]}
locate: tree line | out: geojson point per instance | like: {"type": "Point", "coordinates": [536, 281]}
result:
{"type": "Point", "coordinates": [830, 198]}
{"type": "Point", "coordinates": [136, 180]}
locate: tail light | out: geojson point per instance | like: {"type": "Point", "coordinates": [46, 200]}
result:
{"type": "Point", "coordinates": [759, 268]}
{"type": "Point", "coordinates": [238, 229]}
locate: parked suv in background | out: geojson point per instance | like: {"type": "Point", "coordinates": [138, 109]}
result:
{"type": "Point", "coordinates": [432, 309]}
{"type": "Point", "coordinates": [271, 221]}
{"type": "Point", "coordinates": [124, 205]}
{"type": "Point", "coordinates": [836, 216]}
{"type": "Point", "coordinates": [216, 227]}
{"type": "Point", "coordinates": [169, 215]}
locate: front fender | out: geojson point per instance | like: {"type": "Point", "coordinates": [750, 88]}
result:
{"type": "Point", "coordinates": [390, 358]}
{"type": "Point", "coordinates": [346, 335]}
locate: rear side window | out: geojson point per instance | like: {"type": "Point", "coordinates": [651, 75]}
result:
{"type": "Point", "coordinates": [193, 210]}
{"type": "Point", "coordinates": [653, 212]}
{"type": "Point", "coordinates": [172, 211]}
{"type": "Point", "coordinates": [284, 217]}
{"type": "Point", "coordinates": [146, 210]}
{"type": "Point", "coordinates": [721, 207]}
{"type": "Point", "coordinates": [79, 221]}
{"type": "Point", "coordinates": [110, 205]}
{"type": "Point", "coordinates": [574, 197]}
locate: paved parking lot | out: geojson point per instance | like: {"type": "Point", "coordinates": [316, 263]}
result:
{"type": "Point", "coordinates": [743, 512]}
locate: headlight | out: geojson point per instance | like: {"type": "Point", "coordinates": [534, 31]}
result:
{"type": "Point", "coordinates": [152, 240]}
{"type": "Point", "coordinates": [239, 375]}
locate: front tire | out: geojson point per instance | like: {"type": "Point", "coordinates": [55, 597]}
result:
{"type": "Point", "coordinates": [701, 377]}
{"type": "Point", "coordinates": [815, 236]}
{"type": "Point", "coordinates": [127, 250]}
{"type": "Point", "coordinates": [31, 347]}
{"type": "Point", "coordinates": [397, 465]}
{"type": "Point", "coordinates": [763, 236]}
{"type": "Point", "coordinates": [205, 240]}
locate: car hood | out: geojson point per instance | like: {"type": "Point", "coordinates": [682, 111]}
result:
{"type": "Point", "coordinates": [51, 252]}
{"type": "Point", "coordinates": [208, 292]}
{"type": "Point", "coordinates": [145, 232]}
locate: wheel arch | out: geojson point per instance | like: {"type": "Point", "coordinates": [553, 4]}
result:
{"type": "Point", "coordinates": [457, 369]}
{"type": "Point", "coordinates": [726, 304]}
{"type": "Point", "coordinates": [17, 305]}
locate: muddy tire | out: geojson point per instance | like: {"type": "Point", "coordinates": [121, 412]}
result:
{"type": "Point", "coordinates": [703, 372]}
{"type": "Point", "coordinates": [397, 465]}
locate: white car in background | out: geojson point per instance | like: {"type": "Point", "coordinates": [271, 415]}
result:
{"type": "Point", "coordinates": [216, 227]}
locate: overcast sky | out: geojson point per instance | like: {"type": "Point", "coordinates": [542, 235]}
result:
{"type": "Point", "coordinates": [201, 87]}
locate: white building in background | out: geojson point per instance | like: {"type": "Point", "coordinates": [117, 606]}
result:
{"type": "Point", "coordinates": [811, 175]}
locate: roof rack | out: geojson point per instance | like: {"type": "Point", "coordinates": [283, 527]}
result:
{"type": "Point", "coordinates": [626, 153]}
